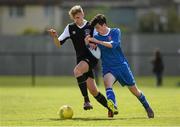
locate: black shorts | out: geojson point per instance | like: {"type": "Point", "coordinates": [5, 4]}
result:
{"type": "Point", "coordinates": [91, 61]}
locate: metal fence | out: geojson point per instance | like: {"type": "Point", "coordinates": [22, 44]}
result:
{"type": "Point", "coordinates": [57, 63]}
{"type": "Point", "coordinates": [37, 55]}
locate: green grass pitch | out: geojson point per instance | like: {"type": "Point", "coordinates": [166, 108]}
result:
{"type": "Point", "coordinates": [21, 104]}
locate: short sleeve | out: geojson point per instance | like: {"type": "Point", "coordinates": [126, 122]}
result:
{"type": "Point", "coordinates": [65, 35]}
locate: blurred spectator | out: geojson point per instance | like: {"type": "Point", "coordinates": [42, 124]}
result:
{"type": "Point", "coordinates": [158, 67]}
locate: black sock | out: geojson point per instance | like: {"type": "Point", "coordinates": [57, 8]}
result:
{"type": "Point", "coordinates": [101, 99]}
{"type": "Point", "coordinates": [83, 87]}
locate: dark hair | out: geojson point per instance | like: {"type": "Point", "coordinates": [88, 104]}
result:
{"type": "Point", "coordinates": [98, 19]}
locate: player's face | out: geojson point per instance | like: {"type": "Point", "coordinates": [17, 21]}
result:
{"type": "Point", "coordinates": [101, 29]}
{"type": "Point", "coordinates": [78, 18]}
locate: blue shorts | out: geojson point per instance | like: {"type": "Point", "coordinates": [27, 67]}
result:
{"type": "Point", "coordinates": [122, 74]}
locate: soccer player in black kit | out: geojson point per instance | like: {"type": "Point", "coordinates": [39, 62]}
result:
{"type": "Point", "coordinates": [77, 31]}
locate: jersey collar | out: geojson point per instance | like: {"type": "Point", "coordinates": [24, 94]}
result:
{"type": "Point", "coordinates": [107, 32]}
{"type": "Point", "coordinates": [85, 21]}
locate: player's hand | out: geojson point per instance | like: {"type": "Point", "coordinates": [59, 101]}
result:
{"type": "Point", "coordinates": [52, 32]}
{"type": "Point", "coordinates": [92, 45]}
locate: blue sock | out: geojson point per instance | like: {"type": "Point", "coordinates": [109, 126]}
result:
{"type": "Point", "coordinates": [110, 95]}
{"type": "Point", "coordinates": [143, 100]}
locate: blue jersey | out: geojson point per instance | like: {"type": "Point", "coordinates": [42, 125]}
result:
{"type": "Point", "coordinates": [113, 59]}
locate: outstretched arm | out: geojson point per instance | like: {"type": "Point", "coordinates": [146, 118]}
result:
{"type": "Point", "coordinates": [54, 35]}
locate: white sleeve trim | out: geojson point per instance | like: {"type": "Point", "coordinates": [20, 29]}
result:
{"type": "Point", "coordinates": [95, 32]}
{"type": "Point", "coordinates": [65, 34]}
{"type": "Point", "coordinates": [111, 42]}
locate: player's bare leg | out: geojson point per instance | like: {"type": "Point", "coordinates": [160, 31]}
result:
{"type": "Point", "coordinates": [91, 84]}
{"type": "Point", "coordinates": [134, 90]}
{"type": "Point", "coordinates": [109, 79]}
{"type": "Point", "coordinates": [79, 70]}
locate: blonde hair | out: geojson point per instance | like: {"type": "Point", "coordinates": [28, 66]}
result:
{"type": "Point", "coordinates": [74, 10]}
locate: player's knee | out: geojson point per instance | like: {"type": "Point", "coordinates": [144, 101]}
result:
{"type": "Point", "coordinates": [77, 72]}
{"type": "Point", "coordinates": [107, 84]}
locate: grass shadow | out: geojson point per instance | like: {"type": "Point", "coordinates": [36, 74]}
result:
{"type": "Point", "coordinates": [76, 119]}
{"type": "Point", "coordinates": [96, 119]}
{"type": "Point", "coordinates": [82, 119]}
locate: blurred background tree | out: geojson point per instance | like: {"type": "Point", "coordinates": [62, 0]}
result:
{"type": "Point", "coordinates": [152, 22]}
{"type": "Point", "coordinates": [149, 22]}
{"type": "Point", "coordinates": [173, 24]}
{"type": "Point", "coordinates": [31, 31]}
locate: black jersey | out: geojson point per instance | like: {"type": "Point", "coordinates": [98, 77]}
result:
{"type": "Point", "coordinates": [77, 35]}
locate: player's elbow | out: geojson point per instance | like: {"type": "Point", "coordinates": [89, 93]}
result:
{"type": "Point", "coordinates": [110, 46]}
{"type": "Point", "coordinates": [58, 44]}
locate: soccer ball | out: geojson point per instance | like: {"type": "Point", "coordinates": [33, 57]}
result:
{"type": "Point", "coordinates": [65, 112]}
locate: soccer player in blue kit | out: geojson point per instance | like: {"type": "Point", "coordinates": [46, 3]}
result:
{"type": "Point", "coordinates": [114, 64]}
